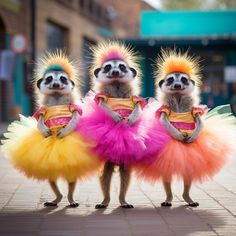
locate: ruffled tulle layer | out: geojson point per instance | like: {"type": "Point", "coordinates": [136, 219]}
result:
{"type": "Point", "coordinates": [195, 161]}
{"type": "Point", "coordinates": [48, 158]}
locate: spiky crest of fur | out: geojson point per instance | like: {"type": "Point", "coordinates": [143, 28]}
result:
{"type": "Point", "coordinates": [173, 60]}
{"type": "Point", "coordinates": [108, 50]}
{"type": "Point", "coordinates": [47, 61]}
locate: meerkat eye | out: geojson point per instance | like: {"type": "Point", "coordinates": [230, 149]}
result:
{"type": "Point", "coordinates": [122, 68]}
{"type": "Point", "coordinates": [107, 68]}
{"type": "Point", "coordinates": [63, 79]}
{"type": "Point", "coordinates": [184, 80]}
{"type": "Point", "coordinates": [170, 80]}
{"type": "Point", "coordinates": [48, 80]}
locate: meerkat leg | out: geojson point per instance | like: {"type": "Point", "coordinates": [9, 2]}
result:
{"type": "Point", "coordinates": [56, 192]}
{"type": "Point", "coordinates": [169, 195]}
{"type": "Point", "coordinates": [71, 189]}
{"type": "Point", "coordinates": [105, 182]}
{"type": "Point", "coordinates": [186, 197]}
{"type": "Point", "coordinates": [124, 184]}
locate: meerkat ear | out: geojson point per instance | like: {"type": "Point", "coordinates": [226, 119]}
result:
{"type": "Point", "coordinates": [73, 83]}
{"type": "Point", "coordinates": [96, 71]}
{"type": "Point", "coordinates": [133, 71]}
{"type": "Point", "coordinates": [39, 82]}
{"type": "Point", "coordinates": [161, 83]}
{"type": "Point", "coordinates": [192, 81]}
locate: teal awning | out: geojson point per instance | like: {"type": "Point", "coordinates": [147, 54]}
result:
{"type": "Point", "coordinates": [175, 24]}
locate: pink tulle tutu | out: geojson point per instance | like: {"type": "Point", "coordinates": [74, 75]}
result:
{"type": "Point", "coordinates": [119, 143]}
{"type": "Point", "coordinates": [196, 161]}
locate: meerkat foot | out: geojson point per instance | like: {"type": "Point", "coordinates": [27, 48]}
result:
{"type": "Point", "coordinates": [103, 204]}
{"type": "Point", "coordinates": [54, 202]}
{"type": "Point", "coordinates": [74, 204]}
{"type": "Point", "coordinates": [124, 204]}
{"type": "Point", "coordinates": [189, 200]}
{"type": "Point", "coordinates": [194, 204]}
{"type": "Point", "coordinates": [166, 204]}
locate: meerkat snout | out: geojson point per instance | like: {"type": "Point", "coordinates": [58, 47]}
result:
{"type": "Point", "coordinates": [55, 82]}
{"type": "Point", "coordinates": [115, 70]}
{"type": "Point", "coordinates": [177, 83]}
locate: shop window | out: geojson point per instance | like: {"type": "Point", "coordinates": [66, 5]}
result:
{"type": "Point", "coordinates": [57, 36]}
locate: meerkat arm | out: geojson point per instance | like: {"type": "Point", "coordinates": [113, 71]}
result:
{"type": "Point", "coordinates": [45, 131]}
{"type": "Point", "coordinates": [171, 129]}
{"type": "Point", "coordinates": [70, 126]}
{"type": "Point", "coordinates": [135, 114]}
{"type": "Point", "coordinates": [197, 130]}
{"type": "Point", "coordinates": [116, 117]}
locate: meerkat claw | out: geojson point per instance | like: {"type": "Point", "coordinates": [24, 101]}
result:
{"type": "Point", "coordinates": [101, 206]}
{"type": "Point", "coordinates": [166, 204]}
{"type": "Point", "coordinates": [193, 204]}
{"type": "Point", "coordinates": [127, 206]}
{"type": "Point", "coordinates": [74, 204]}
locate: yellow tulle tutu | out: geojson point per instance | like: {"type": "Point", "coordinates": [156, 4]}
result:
{"type": "Point", "coordinates": [48, 158]}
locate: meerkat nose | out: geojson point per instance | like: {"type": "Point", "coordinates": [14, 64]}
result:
{"type": "Point", "coordinates": [56, 85]}
{"type": "Point", "coordinates": [115, 73]}
{"type": "Point", "coordinates": [177, 86]}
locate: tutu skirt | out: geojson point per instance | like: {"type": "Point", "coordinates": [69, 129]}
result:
{"type": "Point", "coordinates": [196, 161]}
{"type": "Point", "coordinates": [48, 158]}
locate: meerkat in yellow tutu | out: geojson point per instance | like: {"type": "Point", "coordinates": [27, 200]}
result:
{"type": "Point", "coordinates": [45, 146]}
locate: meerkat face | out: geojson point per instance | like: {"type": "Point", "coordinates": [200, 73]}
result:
{"type": "Point", "coordinates": [55, 82]}
{"type": "Point", "coordinates": [177, 83]}
{"type": "Point", "coordinates": [115, 70]}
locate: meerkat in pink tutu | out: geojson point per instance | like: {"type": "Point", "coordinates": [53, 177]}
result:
{"type": "Point", "coordinates": [115, 113]}
{"type": "Point", "coordinates": [196, 141]}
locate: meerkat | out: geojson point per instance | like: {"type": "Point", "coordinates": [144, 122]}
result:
{"type": "Point", "coordinates": [56, 88]}
{"type": "Point", "coordinates": [46, 147]}
{"type": "Point", "coordinates": [191, 138]}
{"type": "Point", "coordinates": [116, 82]}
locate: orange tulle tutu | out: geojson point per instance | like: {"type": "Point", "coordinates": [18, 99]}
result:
{"type": "Point", "coordinates": [196, 161]}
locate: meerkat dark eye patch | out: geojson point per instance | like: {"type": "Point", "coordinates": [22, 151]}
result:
{"type": "Point", "coordinates": [184, 80]}
{"type": "Point", "coordinates": [169, 81]}
{"type": "Point", "coordinates": [133, 71]}
{"type": "Point", "coordinates": [161, 83]}
{"type": "Point", "coordinates": [63, 79]}
{"type": "Point", "coordinates": [39, 82]}
{"type": "Point", "coordinates": [123, 68]}
{"type": "Point", "coordinates": [96, 72]}
{"type": "Point", "coordinates": [107, 68]}
{"type": "Point", "coordinates": [48, 80]}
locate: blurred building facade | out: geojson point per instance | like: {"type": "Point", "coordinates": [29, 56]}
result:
{"type": "Point", "coordinates": [29, 27]}
{"type": "Point", "coordinates": [208, 34]}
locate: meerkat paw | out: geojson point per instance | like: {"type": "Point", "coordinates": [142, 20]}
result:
{"type": "Point", "coordinates": [193, 204]}
{"type": "Point", "coordinates": [166, 204]}
{"type": "Point", "coordinates": [62, 133]}
{"type": "Point", "coordinates": [126, 205]}
{"type": "Point", "coordinates": [189, 201]}
{"type": "Point", "coordinates": [74, 204]}
{"type": "Point", "coordinates": [101, 206]}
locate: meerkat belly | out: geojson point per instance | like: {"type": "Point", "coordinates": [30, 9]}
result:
{"type": "Point", "coordinates": [57, 117]}
{"type": "Point", "coordinates": [184, 122]}
{"type": "Point", "coordinates": [123, 106]}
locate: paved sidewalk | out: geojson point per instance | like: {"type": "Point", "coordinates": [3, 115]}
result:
{"type": "Point", "coordinates": [22, 212]}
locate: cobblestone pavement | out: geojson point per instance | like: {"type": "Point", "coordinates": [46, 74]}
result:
{"type": "Point", "coordinates": [22, 212]}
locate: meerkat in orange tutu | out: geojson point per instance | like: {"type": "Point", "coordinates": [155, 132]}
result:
{"type": "Point", "coordinates": [46, 147]}
{"type": "Point", "coordinates": [200, 141]}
